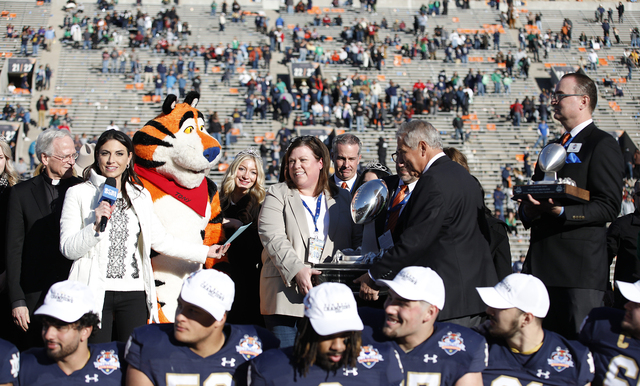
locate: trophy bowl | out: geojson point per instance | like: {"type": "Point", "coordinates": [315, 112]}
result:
{"type": "Point", "coordinates": [369, 200]}
{"type": "Point", "coordinates": [552, 158]}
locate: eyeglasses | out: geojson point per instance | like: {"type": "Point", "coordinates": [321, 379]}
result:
{"type": "Point", "coordinates": [394, 157]}
{"type": "Point", "coordinates": [559, 97]}
{"type": "Point", "coordinates": [66, 158]}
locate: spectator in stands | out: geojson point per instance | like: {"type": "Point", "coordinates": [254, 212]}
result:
{"type": "Point", "coordinates": [496, 78]}
{"type": "Point", "coordinates": [458, 125]}
{"type": "Point", "coordinates": [195, 84]}
{"type": "Point", "coordinates": [517, 110]}
{"type": "Point", "coordinates": [392, 93]}
{"type": "Point", "coordinates": [593, 60]}
{"type": "Point", "coordinates": [42, 107]}
{"type": "Point", "coordinates": [543, 132]}
{"type": "Point", "coordinates": [498, 198]}
{"type": "Point", "coordinates": [112, 126]}
{"type": "Point", "coordinates": [158, 85]}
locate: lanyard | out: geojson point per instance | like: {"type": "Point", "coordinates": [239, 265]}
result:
{"type": "Point", "coordinates": [317, 215]}
{"type": "Point", "coordinates": [400, 205]}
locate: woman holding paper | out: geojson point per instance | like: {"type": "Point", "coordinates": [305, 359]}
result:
{"type": "Point", "coordinates": [241, 196]}
{"type": "Point", "coordinates": [303, 221]}
{"type": "Point", "coordinates": [116, 263]}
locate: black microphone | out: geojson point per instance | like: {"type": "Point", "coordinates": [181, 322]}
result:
{"type": "Point", "coordinates": [109, 194]}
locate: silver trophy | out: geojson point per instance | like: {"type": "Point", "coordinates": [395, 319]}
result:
{"type": "Point", "coordinates": [370, 199]}
{"type": "Point", "coordinates": [562, 190]}
{"type": "Point", "coordinates": [551, 160]}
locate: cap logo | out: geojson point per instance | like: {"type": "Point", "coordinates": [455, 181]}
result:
{"type": "Point", "coordinates": [407, 277]}
{"type": "Point", "coordinates": [505, 286]}
{"type": "Point", "coordinates": [61, 297]}
{"type": "Point", "coordinates": [336, 307]}
{"type": "Point", "coordinates": [213, 292]}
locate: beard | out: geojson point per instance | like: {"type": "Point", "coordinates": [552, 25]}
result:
{"type": "Point", "coordinates": [504, 333]}
{"type": "Point", "coordinates": [322, 361]}
{"type": "Point", "coordinates": [63, 352]}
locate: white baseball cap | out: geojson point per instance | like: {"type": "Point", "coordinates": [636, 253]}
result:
{"type": "Point", "coordinates": [519, 290]}
{"type": "Point", "coordinates": [631, 291]}
{"type": "Point", "coordinates": [331, 309]}
{"type": "Point", "coordinates": [209, 289]}
{"type": "Point", "coordinates": [67, 301]}
{"type": "Point", "coordinates": [418, 283]}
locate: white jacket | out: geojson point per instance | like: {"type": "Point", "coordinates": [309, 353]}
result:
{"type": "Point", "coordinates": [88, 249]}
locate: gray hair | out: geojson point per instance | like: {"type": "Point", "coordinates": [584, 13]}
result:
{"type": "Point", "coordinates": [44, 142]}
{"type": "Point", "coordinates": [411, 133]}
{"type": "Point", "coordinates": [345, 139]}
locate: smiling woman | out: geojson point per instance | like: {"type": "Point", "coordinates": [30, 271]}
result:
{"type": "Point", "coordinates": [303, 221]}
{"type": "Point", "coordinates": [116, 263]}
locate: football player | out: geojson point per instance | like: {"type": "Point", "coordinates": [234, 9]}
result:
{"type": "Point", "coordinates": [613, 336]}
{"type": "Point", "coordinates": [520, 350]}
{"type": "Point", "coordinates": [435, 353]}
{"type": "Point", "coordinates": [328, 348]}
{"type": "Point", "coordinates": [9, 363]}
{"type": "Point", "coordinates": [68, 320]}
{"type": "Point", "coordinates": [198, 348]}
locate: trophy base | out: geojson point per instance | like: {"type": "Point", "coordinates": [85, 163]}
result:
{"type": "Point", "coordinates": [560, 193]}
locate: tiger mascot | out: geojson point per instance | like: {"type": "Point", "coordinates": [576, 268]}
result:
{"type": "Point", "coordinates": [174, 153]}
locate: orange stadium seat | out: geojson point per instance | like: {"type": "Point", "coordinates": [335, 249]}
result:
{"type": "Point", "coordinates": [39, 2]}
{"type": "Point", "coordinates": [502, 65]}
{"type": "Point", "coordinates": [340, 131]}
{"type": "Point", "coordinates": [603, 62]}
{"type": "Point", "coordinates": [258, 139]}
{"type": "Point", "coordinates": [215, 69]}
{"type": "Point", "coordinates": [240, 70]}
{"type": "Point", "coordinates": [139, 86]}
{"type": "Point", "coordinates": [520, 157]}
{"type": "Point", "coordinates": [475, 127]}
{"type": "Point", "coordinates": [128, 86]}
{"type": "Point", "coordinates": [4, 13]}
{"type": "Point", "coordinates": [135, 119]}
{"type": "Point", "coordinates": [156, 98]}
{"type": "Point", "coordinates": [146, 98]}
{"type": "Point", "coordinates": [57, 100]}
{"type": "Point", "coordinates": [223, 167]}
{"type": "Point", "coordinates": [13, 16]}
{"type": "Point", "coordinates": [382, 78]}
{"type": "Point", "coordinates": [491, 126]}
{"type": "Point", "coordinates": [269, 135]}
{"type": "Point", "coordinates": [233, 91]}
{"type": "Point", "coordinates": [235, 131]}
{"type": "Point", "coordinates": [455, 20]}
{"type": "Point", "coordinates": [582, 49]}
{"type": "Point", "coordinates": [9, 54]}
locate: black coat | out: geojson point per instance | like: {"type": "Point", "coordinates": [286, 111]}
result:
{"type": "Point", "coordinates": [570, 250]}
{"type": "Point", "coordinates": [440, 228]}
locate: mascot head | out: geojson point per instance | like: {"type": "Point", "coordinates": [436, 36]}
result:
{"type": "Point", "coordinates": [176, 144]}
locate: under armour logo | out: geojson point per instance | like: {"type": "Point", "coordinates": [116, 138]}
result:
{"type": "Point", "coordinates": [88, 379]}
{"type": "Point", "coordinates": [231, 362]}
{"type": "Point", "coordinates": [15, 364]}
{"type": "Point", "coordinates": [541, 374]}
{"type": "Point", "coordinates": [352, 371]}
{"type": "Point", "coordinates": [434, 358]}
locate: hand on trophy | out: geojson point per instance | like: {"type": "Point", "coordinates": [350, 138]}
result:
{"type": "Point", "coordinates": [533, 208]}
{"type": "Point", "coordinates": [368, 289]}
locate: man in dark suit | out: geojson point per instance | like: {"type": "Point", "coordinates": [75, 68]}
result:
{"type": "Point", "coordinates": [440, 228]}
{"type": "Point", "coordinates": [345, 154]}
{"type": "Point", "coordinates": [34, 261]}
{"type": "Point", "coordinates": [568, 243]}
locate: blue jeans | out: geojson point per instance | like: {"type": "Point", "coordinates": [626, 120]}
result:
{"type": "Point", "coordinates": [35, 49]}
{"type": "Point", "coordinates": [304, 105]}
{"type": "Point", "coordinates": [105, 66]}
{"type": "Point", "coordinates": [543, 139]}
{"type": "Point", "coordinates": [283, 327]}
{"type": "Point", "coordinates": [481, 88]}
{"type": "Point", "coordinates": [496, 87]}
{"type": "Point", "coordinates": [394, 102]}
{"type": "Point", "coordinates": [516, 119]}
{"type": "Point", "coordinates": [507, 89]}
{"type": "Point", "coordinates": [87, 44]}
{"type": "Point", "coordinates": [217, 137]}
{"type": "Point", "coordinates": [250, 112]}
{"type": "Point", "coordinates": [360, 123]}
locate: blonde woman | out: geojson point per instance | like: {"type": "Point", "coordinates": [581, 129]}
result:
{"type": "Point", "coordinates": [241, 197]}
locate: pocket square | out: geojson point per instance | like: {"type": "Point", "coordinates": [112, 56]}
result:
{"type": "Point", "coordinates": [572, 158]}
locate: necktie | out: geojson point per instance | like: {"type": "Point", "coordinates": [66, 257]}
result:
{"type": "Point", "coordinates": [565, 137]}
{"type": "Point", "coordinates": [345, 186]}
{"type": "Point", "coordinates": [395, 211]}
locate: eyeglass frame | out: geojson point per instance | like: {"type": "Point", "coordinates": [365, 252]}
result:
{"type": "Point", "coordinates": [559, 97]}
{"type": "Point", "coordinates": [66, 158]}
{"type": "Point", "coordinates": [394, 157]}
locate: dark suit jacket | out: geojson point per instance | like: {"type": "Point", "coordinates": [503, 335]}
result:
{"type": "Point", "coordinates": [439, 229]}
{"type": "Point", "coordinates": [333, 181]}
{"type": "Point", "coordinates": [33, 257]}
{"type": "Point", "coordinates": [570, 250]}
{"type": "Point", "coordinates": [622, 241]}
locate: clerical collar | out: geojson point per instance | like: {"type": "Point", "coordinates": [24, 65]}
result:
{"type": "Point", "coordinates": [48, 179]}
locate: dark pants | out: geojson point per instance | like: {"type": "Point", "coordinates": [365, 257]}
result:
{"type": "Point", "coordinates": [122, 312]}
{"type": "Point", "coordinates": [468, 321]}
{"type": "Point", "coordinates": [284, 327]}
{"type": "Point", "coordinates": [569, 307]}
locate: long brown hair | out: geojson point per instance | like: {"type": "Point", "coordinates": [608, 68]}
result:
{"type": "Point", "coordinates": [129, 175]}
{"type": "Point", "coordinates": [320, 152]}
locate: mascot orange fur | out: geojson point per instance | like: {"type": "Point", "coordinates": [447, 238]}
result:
{"type": "Point", "coordinates": [174, 153]}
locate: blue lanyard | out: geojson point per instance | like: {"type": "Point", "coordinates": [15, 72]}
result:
{"type": "Point", "coordinates": [317, 215]}
{"type": "Point", "coordinates": [566, 144]}
{"type": "Point", "coordinates": [400, 205]}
